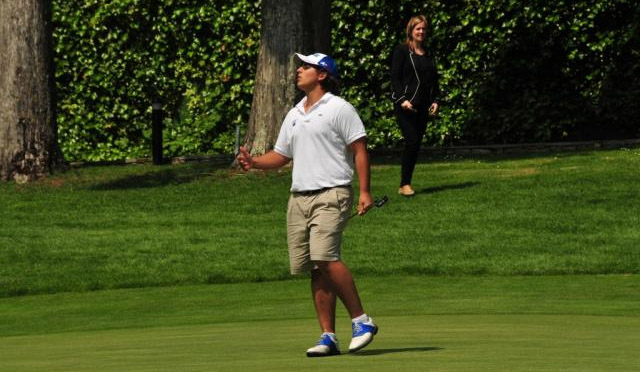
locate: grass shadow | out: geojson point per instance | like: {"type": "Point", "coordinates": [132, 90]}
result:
{"type": "Point", "coordinates": [167, 175]}
{"type": "Point", "coordinates": [396, 350]}
{"type": "Point", "coordinates": [457, 186]}
{"type": "Point", "coordinates": [382, 157]}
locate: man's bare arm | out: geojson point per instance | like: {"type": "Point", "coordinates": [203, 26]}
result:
{"type": "Point", "coordinates": [270, 160]}
{"type": "Point", "coordinates": [361, 157]}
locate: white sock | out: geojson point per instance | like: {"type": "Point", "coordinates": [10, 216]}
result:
{"type": "Point", "coordinates": [332, 335]}
{"type": "Point", "coordinates": [362, 318]}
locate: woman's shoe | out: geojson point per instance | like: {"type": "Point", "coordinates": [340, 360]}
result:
{"type": "Point", "coordinates": [406, 191]}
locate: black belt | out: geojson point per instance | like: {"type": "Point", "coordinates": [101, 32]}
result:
{"type": "Point", "coordinates": [318, 191]}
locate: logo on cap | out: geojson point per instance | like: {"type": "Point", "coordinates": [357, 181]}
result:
{"type": "Point", "coordinates": [321, 60]}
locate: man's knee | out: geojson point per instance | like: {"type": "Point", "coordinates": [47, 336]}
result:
{"type": "Point", "coordinates": [321, 266]}
{"type": "Point", "coordinates": [325, 266]}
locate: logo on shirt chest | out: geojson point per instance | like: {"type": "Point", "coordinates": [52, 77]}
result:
{"type": "Point", "coordinates": [307, 120]}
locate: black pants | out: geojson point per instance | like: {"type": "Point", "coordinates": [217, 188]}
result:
{"type": "Point", "coordinates": [413, 125]}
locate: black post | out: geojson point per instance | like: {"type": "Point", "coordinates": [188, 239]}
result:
{"type": "Point", "coordinates": [156, 132]}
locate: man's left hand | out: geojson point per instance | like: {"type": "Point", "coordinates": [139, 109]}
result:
{"type": "Point", "coordinates": [365, 203]}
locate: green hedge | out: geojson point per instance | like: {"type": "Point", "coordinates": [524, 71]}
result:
{"type": "Point", "coordinates": [114, 58]}
{"type": "Point", "coordinates": [511, 71]}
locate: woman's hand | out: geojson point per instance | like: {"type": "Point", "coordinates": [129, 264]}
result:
{"type": "Point", "coordinates": [407, 105]}
{"type": "Point", "coordinates": [433, 110]}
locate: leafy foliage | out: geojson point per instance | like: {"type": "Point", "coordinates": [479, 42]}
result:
{"type": "Point", "coordinates": [115, 58]}
{"type": "Point", "coordinates": [511, 71]}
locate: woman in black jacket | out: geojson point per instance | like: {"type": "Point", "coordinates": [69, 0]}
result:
{"type": "Point", "coordinates": [414, 80]}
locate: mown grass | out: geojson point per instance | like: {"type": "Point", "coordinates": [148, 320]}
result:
{"type": "Point", "coordinates": [139, 226]}
{"type": "Point", "coordinates": [596, 295]}
{"type": "Point", "coordinates": [520, 323]}
{"type": "Point", "coordinates": [461, 343]}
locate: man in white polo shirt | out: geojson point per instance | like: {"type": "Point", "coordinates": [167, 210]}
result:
{"type": "Point", "coordinates": [326, 139]}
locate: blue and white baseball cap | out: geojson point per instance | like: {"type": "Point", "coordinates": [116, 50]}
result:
{"type": "Point", "coordinates": [321, 60]}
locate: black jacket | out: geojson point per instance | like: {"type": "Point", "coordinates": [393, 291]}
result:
{"type": "Point", "coordinates": [419, 86]}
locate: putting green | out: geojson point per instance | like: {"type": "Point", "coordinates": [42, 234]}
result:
{"type": "Point", "coordinates": [405, 343]}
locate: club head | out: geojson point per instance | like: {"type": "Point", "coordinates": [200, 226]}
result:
{"type": "Point", "coordinates": [382, 201]}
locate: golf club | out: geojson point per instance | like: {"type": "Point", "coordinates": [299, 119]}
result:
{"type": "Point", "coordinates": [377, 203]}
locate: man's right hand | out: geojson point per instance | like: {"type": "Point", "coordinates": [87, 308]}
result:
{"type": "Point", "coordinates": [244, 159]}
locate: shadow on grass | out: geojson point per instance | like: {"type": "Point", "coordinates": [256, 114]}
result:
{"type": "Point", "coordinates": [397, 350]}
{"type": "Point", "coordinates": [457, 186]}
{"type": "Point", "coordinates": [162, 177]}
{"type": "Point", "coordinates": [394, 156]}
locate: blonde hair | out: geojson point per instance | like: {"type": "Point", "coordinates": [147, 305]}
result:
{"type": "Point", "coordinates": [413, 22]}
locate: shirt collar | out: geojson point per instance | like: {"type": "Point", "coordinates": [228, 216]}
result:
{"type": "Point", "coordinates": [325, 98]}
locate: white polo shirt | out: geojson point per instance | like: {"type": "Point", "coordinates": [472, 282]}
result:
{"type": "Point", "coordinates": [317, 142]}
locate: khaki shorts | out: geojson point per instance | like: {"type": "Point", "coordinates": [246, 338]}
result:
{"type": "Point", "coordinates": [314, 226]}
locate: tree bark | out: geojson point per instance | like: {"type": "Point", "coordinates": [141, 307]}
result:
{"type": "Point", "coordinates": [317, 26]}
{"type": "Point", "coordinates": [288, 26]}
{"type": "Point", "coordinates": [28, 141]}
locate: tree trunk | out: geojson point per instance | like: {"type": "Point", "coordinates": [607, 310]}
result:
{"type": "Point", "coordinates": [317, 26]}
{"type": "Point", "coordinates": [288, 26]}
{"type": "Point", "coordinates": [28, 143]}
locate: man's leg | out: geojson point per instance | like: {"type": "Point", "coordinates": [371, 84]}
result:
{"type": "Point", "coordinates": [335, 277]}
{"type": "Point", "coordinates": [331, 278]}
{"type": "Point", "coordinates": [324, 300]}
